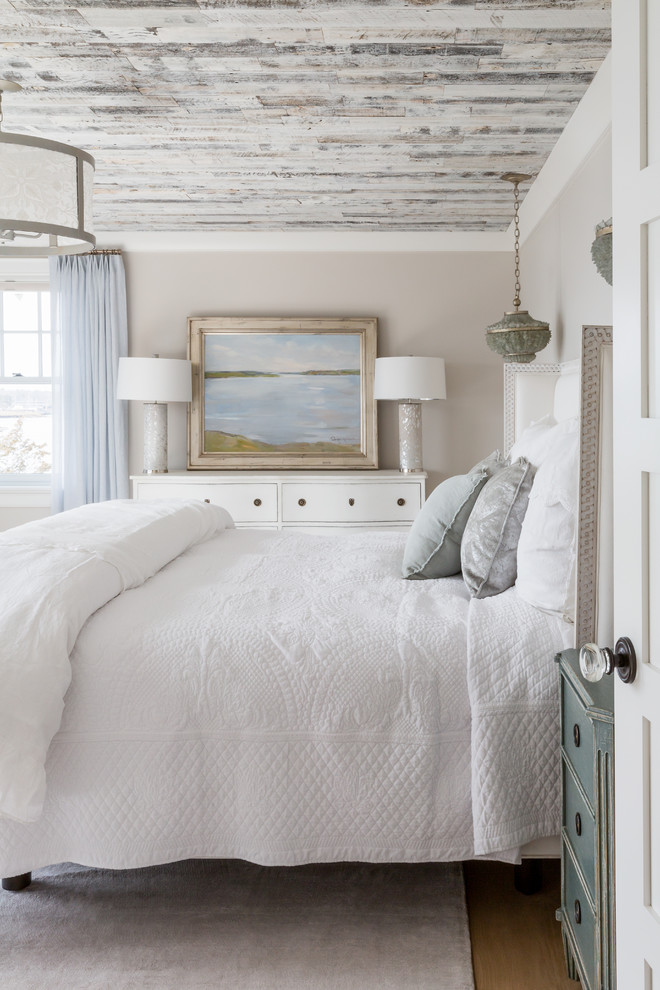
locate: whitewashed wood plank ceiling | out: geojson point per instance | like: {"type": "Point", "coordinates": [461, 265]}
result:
{"type": "Point", "coordinates": [302, 114]}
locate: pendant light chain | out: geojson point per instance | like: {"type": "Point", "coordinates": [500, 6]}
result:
{"type": "Point", "coordinates": [517, 337]}
{"type": "Point", "coordinates": [516, 228]}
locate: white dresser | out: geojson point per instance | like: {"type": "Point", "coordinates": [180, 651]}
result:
{"type": "Point", "coordinates": [310, 499]}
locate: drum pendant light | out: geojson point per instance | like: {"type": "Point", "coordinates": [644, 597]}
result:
{"type": "Point", "coordinates": [518, 337]}
{"type": "Point", "coordinates": [45, 195]}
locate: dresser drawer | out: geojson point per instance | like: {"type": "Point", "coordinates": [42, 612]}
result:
{"type": "Point", "coordinates": [580, 829]}
{"type": "Point", "coordinates": [578, 739]}
{"type": "Point", "coordinates": [254, 503]}
{"type": "Point", "coordinates": [581, 918]}
{"type": "Point", "coordinates": [347, 503]}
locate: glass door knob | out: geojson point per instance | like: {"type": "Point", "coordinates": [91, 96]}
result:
{"type": "Point", "coordinates": [596, 661]}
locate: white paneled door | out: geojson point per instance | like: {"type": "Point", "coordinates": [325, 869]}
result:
{"type": "Point", "coordinates": [636, 204]}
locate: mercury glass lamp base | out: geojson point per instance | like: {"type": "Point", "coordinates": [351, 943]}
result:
{"type": "Point", "coordinates": [155, 438]}
{"type": "Point", "coordinates": [410, 437]}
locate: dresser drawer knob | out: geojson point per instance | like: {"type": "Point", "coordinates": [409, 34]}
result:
{"type": "Point", "coordinates": [578, 913]}
{"type": "Point", "coordinates": [401, 501]}
{"type": "Point", "coordinates": [257, 502]}
{"type": "Point", "coordinates": [302, 501]}
{"type": "Point", "coordinates": [576, 734]}
{"type": "Point", "coordinates": [578, 823]}
{"type": "Point", "coordinates": [351, 501]}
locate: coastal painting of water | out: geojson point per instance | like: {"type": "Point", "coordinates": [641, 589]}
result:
{"type": "Point", "coordinates": [282, 391]}
{"type": "Point", "coordinates": [277, 394]}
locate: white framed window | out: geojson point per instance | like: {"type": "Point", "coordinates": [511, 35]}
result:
{"type": "Point", "coordinates": [25, 385]}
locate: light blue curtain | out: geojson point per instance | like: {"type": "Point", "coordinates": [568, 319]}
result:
{"type": "Point", "coordinates": [89, 325]}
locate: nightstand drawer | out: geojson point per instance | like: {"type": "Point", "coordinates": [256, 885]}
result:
{"type": "Point", "coordinates": [580, 829]}
{"type": "Point", "coordinates": [587, 720]}
{"type": "Point", "coordinates": [581, 920]}
{"type": "Point", "coordinates": [347, 503]}
{"type": "Point", "coordinates": [253, 503]}
{"type": "Point", "coordinates": [578, 739]}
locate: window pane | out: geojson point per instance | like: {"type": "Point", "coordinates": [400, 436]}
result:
{"type": "Point", "coordinates": [46, 356]}
{"type": "Point", "coordinates": [21, 312]}
{"type": "Point", "coordinates": [25, 409]}
{"type": "Point", "coordinates": [22, 354]}
{"type": "Point", "coordinates": [45, 311]}
{"type": "Point", "coordinates": [25, 429]}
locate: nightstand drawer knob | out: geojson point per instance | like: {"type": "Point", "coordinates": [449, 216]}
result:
{"type": "Point", "coordinates": [576, 734]}
{"type": "Point", "coordinates": [302, 502]}
{"type": "Point", "coordinates": [401, 501]}
{"type": "Point", "coordinates": [578, 823]}
{"type": "Point", "coordinates": [578, 913]}
{"type": "Point", "coordinates": [257, 502]}
{"type": "Point", "coordinates": [351, 501]}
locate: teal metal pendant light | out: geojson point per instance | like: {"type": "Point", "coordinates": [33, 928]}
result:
{"type": "Point", "coordinates": [518, 337]}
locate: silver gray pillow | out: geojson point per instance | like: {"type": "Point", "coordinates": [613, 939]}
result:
{"type": "Point", "coordinates": [490, 539]}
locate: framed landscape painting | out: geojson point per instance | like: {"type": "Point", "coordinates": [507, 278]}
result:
{"type": "Point", "coordinates": [282, 393]}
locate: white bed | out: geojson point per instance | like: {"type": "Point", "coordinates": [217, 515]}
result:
{"type": "Point", "coordinates": [287, 698]}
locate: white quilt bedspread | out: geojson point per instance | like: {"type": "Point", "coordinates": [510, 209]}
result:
{"type": "Point", "coordinates": [294, 701]}
{"type": "Point", "coordinates": [278, 697]}
{"type": "Point", "coordinates": [54, 574]}
{"type": "Point", "coordinates": [514, 698]}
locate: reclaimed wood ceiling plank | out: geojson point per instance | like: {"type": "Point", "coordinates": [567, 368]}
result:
{"type": "Point", "coordinates": [380, 115]}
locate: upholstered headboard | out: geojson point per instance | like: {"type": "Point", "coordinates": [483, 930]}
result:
{"type": "Point", "coordinates": [578, 388]}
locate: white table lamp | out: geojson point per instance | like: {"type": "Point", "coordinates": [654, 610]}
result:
{"type": "Point", "coordinates": [155, 381]}
{"type": "Point", "coordinates": [410, 381]}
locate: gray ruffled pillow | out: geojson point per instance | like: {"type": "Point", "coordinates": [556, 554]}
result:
{"type": "Point", "coordinates": [433, 547]}
{"type": "Point", "coordinates": [490, 540]}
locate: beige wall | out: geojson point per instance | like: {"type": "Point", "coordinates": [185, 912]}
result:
{"type": "Point", "coordinates": [559, 281]}
{"type": "Point", "coordinates": [433, 304]}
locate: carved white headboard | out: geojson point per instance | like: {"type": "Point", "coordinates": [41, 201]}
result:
{"type": "Point", "coordinates": [582, 388]}
{"type": "Point", "coordinates": [531, 391]}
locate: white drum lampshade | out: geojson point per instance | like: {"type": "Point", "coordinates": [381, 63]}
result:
{"type": "Point", "coordinates": [155, 381]}
{"type": "Point", "coordinates": [45, 195]}
{"type": "Point", "coordinates": [410, 381]}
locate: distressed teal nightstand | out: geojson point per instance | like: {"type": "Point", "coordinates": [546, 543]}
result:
{"type": "Point", "coordinates": [587, 848]}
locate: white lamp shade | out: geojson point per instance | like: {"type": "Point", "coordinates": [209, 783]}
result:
{"type": "Point", "coordinates": [416, 378]}
{"type": "Point", "coordinates": [154, 379]}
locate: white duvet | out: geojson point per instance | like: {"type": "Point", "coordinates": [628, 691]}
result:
{"type": "Point", "coordinates": [54, 574]}
{"type": "Point", "coordinates": [282, 698]}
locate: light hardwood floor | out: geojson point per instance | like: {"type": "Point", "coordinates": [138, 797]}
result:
{"type": "Point", "coordinates": [516, 942]}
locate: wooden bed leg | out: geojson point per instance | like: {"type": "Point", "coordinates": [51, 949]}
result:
{"type": "Point", "coordinates": [527, 876]}
{"type": "Point", "coordinates": [17, 883]}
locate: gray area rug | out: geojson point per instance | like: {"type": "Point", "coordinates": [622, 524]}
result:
{"type": "Point", "coordinates": [230, 924]}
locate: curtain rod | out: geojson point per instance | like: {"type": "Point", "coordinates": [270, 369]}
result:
{"type": "Point", "coordinates": [104, 251]}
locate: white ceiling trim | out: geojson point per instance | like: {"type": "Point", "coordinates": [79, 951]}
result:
{"type": "Point", "coordinates": [317, 241]}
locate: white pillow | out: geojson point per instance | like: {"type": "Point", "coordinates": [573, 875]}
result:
{"type": "Point", "coordinates": [547, 545]}
{"type": "Point", "coordinates": [534, 443]}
